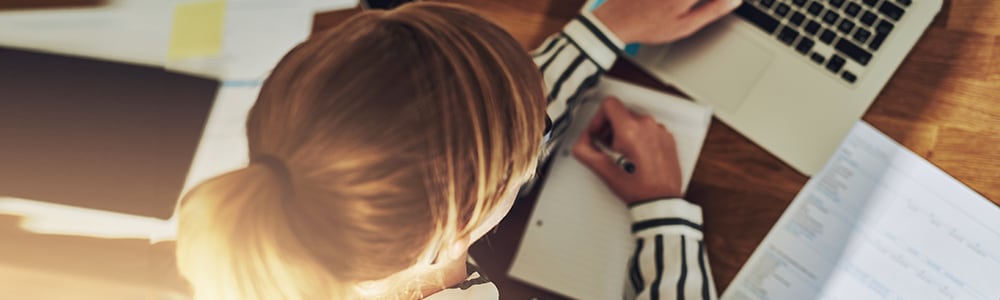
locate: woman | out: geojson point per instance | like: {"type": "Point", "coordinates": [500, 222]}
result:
{"type": "Point", "coordinates": [382, 149]}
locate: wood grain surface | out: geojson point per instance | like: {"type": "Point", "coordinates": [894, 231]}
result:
{"type": "Point", "coordinates": [941, 103]}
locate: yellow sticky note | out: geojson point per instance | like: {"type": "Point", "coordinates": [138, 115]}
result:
{"type": "Point", "coordinates": [197, 29]}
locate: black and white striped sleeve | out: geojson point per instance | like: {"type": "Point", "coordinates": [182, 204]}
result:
{"type": "Point", "coordinates": [669, 261]}
{"type": "Point", "coordinates": [571, 62]}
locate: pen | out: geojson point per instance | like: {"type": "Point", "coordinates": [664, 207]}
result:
{"type": "Point", "coordinates": [619, 158]}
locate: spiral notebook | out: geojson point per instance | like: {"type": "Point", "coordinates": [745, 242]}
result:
{"type": "Point", "coordinates": [578, 241]}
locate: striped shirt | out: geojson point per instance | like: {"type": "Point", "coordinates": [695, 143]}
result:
{"type": "Point", "coordinates": [669, 261]}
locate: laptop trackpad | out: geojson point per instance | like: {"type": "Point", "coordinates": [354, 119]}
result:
{"type": "Point", "coordinates": [717, 66]}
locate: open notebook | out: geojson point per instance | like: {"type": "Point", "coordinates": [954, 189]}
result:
{"type": "Point", "coordinates": [578, 241]}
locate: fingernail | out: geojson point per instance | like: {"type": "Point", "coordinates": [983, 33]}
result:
{"type": "Point", "coordinates": [735, 3]}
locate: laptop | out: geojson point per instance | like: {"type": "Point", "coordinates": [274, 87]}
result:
{"type": "Point", "coordinates": [97, 134]}
{"type": "Point", "coordinates": [794, 75]}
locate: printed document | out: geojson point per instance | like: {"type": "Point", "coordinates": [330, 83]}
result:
{"type": "Point", "coordinates": [878, 222]}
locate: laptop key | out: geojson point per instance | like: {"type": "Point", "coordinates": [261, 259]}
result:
{"type": "Point", "coordinates": [846, 26]}
{"type": "Point", "coordinates": [884, 27]}
{"type": "Point", "coordinates": [782, 10]}
{"type": "Point", "coordinates": [904, 2]}
{"type": "Point", "coordinates": [868, 18]}
{"type": "Point", "coordinates": [836, 3]}
{"type": "Point", "coordinates": [797, 19]}
{"type": "Point", "coordinates": [817, 58]}
{"type": "Point", "coordinates": [812, 28]}
{"type": "Point", "coordinates": [815, 8]}
{"type": "Point", "coordinates": [827, 36]}
{"type": "Point", "coordinates": [805, 44]}
{"type": "Point", "coordinates": [767, 3]}
{"type": "Point", "coordinates": [870, 3]}
{"type": "Point", "coordinates": [757, 17]}
{"type": "Point", "coordinates": [862, 35]}
{"type": "Point", "coordinates": [835, 64]}
{"type": "Point", "coordinates": [799, 3]}
{"type": "Point", "coordinates": [849, 77]}
{"type": "Point", "coordinates": [787, 35]}
{"type": "Point", "coordinates": [830, 17]}
{"type": "Point", "coordinates": [894, 12]}
{"type": "Point", "coordinates": [877, 41]}
{"type": "Point", "coordinates": [852, 9]}
{"type": "Point", "coordinates": [853, 51]}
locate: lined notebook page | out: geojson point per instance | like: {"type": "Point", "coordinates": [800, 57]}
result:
{"type": "Point", "coordinates": [577, 242]}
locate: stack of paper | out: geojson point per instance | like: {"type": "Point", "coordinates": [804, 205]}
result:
{"type": "Point", "coordinates": [131, 31]}
{"type": "Point", "coordinates": [235, 39]}
{"type": "Point", "coordinates": [222, 39]}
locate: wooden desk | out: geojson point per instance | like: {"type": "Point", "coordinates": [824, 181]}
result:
{"type": "Point", "coordinates": [941, 104]}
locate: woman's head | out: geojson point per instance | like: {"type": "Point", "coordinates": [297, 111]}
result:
{"type": "Point", "coordinates": [402, 131]}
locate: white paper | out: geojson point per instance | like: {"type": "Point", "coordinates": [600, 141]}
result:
{"type": "Point", "coordinates": [223, 146]}
{"type": "Point", "coordinates": [331, 5]}
{"type": "Point", "coordinates": [578, 242]}
{"type": "Point", "coordinates": [256, 35]}
{"type": "Point", "coordinates": [130, 31]}
{"type": "Point", "coordinates": [878, 222]}
{"type": "Point", "coordinates": [57, 219]}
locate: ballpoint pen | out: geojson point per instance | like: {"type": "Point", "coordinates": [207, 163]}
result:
{"type": "Point", "coordinates": [619, 158]}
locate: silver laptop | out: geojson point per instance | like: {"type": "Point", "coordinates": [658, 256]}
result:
{"type": "Point", "coordinates": [794, 75]}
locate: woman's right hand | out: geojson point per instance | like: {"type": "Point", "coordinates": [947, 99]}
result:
{"type": "Point", "coordinates": [648, 144]}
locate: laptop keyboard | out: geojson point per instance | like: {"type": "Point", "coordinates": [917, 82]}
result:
{"type": "Point", "coordinates": [840, 36]}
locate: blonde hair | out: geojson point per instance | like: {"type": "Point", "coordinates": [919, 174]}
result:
{"type": "Point", "coordinates": [401, 130]}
